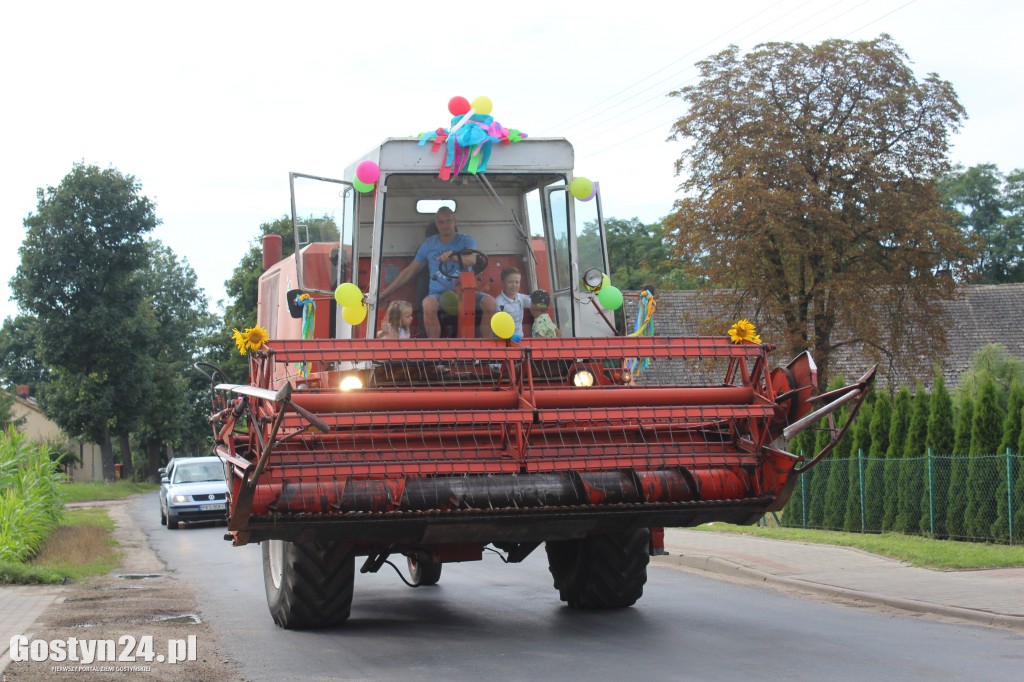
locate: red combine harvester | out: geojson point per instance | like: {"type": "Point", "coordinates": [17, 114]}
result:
{"type": "Point", "coordinates": [344, 445]}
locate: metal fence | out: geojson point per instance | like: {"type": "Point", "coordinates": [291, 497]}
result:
{"type": "Point", "coordinates": [971, 497]}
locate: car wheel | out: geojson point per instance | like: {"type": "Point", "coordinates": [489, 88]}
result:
{"type": "Point", "coordinates": [163, 517]}
{"type": "Point", "coordinates": [172, 522]}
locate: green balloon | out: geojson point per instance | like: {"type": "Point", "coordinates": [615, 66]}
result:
{"type": "Point", "coordinates": [450, 302]}
{"type": "Point", "coordinates": [610, 297]}
{"type": "Point", "coordinates": [362, 187]}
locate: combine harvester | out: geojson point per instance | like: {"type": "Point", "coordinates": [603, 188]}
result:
{"type": "Point", "coordinates": [344, 445]}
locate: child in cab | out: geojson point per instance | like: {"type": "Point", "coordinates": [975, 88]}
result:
{"type": "Point", "coordinates": [543, 326]}
{"type": "Point", "coordinates": [397, 321]}
{"type": "Point", "coordinates": [510, 300]}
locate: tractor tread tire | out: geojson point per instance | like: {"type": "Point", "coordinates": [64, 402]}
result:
{"type": "Point", "coordinates": [601, 571]}
{"type": "Point", "coordinates": [317, 581]}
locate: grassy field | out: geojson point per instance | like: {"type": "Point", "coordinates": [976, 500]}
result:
{"type": "Point", "coordinates": [79, 547]}
{"type": "Point", "coordinates": [915, 550]}
{"type": "Point", "coordinates": [83, 492]}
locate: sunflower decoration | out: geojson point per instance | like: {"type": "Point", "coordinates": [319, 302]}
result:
{"type": "Point", "coordinates": [252, 339]}
{"type": "Point", "coordinates": [744, 331]}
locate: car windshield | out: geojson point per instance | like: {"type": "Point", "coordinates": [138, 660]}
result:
{"type": "Point", "coordinates": [195, 473]}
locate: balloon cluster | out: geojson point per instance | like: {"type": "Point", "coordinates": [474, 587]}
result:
{"type": "Point", "coordinates": [608, 296]}
{"type": "Point", "coordinates": [583, 189]}
{"type": "Point", "coordinates": [467, 144]}
{"type": "Point", "coordinates": [367, 174]}
{"type": "Point", "coordinates": [350, 298]}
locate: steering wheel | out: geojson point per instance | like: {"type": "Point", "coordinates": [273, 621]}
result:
{"type": "Point", "coordinates": [452, 270]}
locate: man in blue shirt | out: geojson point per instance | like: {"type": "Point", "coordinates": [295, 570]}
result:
{"type": "Point", "coordinates": [435, 250]}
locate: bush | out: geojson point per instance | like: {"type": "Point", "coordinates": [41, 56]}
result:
{"type": "Point", "coordinates": [30, 502]}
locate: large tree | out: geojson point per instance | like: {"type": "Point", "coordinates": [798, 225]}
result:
{"type": "Point", "coordinates": [638, 254]}
{"type": "Point", "coordinates": [808, 189]}
{"type": "Point", "coordinates": [82, 248]}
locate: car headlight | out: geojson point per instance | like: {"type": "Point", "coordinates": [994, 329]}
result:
{"type": "Point", "coordinates": [179, 498]}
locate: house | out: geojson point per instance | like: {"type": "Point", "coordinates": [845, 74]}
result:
{"type": "Point", "coordinates": [981, 314]}
{"type": "Point", "coordinates": [37, 426]}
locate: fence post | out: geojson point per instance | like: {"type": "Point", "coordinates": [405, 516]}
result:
{"type": "Point", "coordinates": [860, 476]}
{"type": "Point", "coordinates": [1009, 491]}
{"type": "Point", "coordinates": [803, 495]}
{"type": "Point", "coordinates": [931, 494]}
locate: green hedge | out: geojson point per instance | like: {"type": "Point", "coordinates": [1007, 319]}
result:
{"type": "Point", "coordinates": [30, 501]}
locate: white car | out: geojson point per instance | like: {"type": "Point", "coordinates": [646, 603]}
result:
{"type": "Point", "coordinates": [193, 489]}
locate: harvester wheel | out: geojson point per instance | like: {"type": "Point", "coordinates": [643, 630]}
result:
{"type": "Point", "coordinates": [308, 584]}
{"type": "Point", "coordinates": [601, 571]}
{"type": "Point", "coordinates": [423, 569]}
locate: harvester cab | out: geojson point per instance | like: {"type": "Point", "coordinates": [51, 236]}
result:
{"type": "Point", "coordinates": [460, 432]}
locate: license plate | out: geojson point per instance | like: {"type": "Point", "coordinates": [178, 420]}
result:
{"type": "Point", "coordinates": [211, 507]}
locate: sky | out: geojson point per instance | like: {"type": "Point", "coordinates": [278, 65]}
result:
{"type": "Point", "coordinates": [210, 105]}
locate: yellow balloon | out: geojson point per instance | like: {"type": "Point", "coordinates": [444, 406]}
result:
{"type": "Point", "coordinates": [482, 105]}
{"type": "Point", "coordinates": [354, 314]}
{"type": "Point", "coordinates": [503, 325]}
{"type": "Point", "coordinates": [348, 294]}
{"type": "Point", "coordinates": [581, 188]}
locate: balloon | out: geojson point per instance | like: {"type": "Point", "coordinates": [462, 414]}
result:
{"type": "Point", "coordinates": [610, 297]}
{"type": "Point", "coordinates": [581, 188]}
{"type": "Point", "coordinates": [593, 192]}
{"type": "Point", "coordinates": [457, 106]}
{"type": "Point", "coordinates": [482, 105]}
{"type": "Point", "coordinates": [361, 186]}
{"type": "Point", "coordinates": [517, 337]}
{"type": "Point", "coordinates": [368, 172]}
{"type": "Point", "coordinates": [605, 280]}
{"type": "Point", "coordinates": [503, 325]}
{"type": "Point", "coordinates": [348, 294]}
{"type": "Point", "coordinates": [450, 302]}
{"type": "Point", "coordinates": [354, 314]}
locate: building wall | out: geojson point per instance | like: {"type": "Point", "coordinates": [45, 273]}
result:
{"type": "Point", "coordinates": [38, 427]}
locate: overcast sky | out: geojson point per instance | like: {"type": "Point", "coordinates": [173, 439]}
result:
{"type": "Point", "coordinates": [210, 104]}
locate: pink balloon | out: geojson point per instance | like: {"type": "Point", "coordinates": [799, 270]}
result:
{"type": "Point", "coordinates": [368, 172]}
{"type": "Point", "coordinates": [457, 106]}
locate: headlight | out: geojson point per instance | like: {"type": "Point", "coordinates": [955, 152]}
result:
{"type": "Point", "coordinates": [351, 382]}
{"type": "Point", "coordinates": [180, 498]}
{"type": "Point", "coordinates": [583, 377]}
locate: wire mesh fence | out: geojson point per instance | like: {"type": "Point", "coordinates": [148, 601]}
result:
{"type": "Point", "coordinates": [971, 497]}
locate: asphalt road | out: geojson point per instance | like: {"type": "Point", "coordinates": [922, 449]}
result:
{"type": "Point", "coordinates": [488, 620]}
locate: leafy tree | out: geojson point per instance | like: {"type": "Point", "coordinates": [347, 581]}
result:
{"type": "Point", "coordinates": [940, 444]}
{"type": "Point", "coordinates": [992, 360]}
{"type": "Point", "coordinates": [891, 456]}
{"type": "Point", "coordinates": [986, 431]}
{"type": "Point", "coordinates": [808, 187]}
{"type": "Point", "coordinates": [19, 362]}
{"type": "Point", "coordinates": [638, 254]}
{"type": "Point", "coordinates": [956, 510]}
{"type": "Point", "coordinates": [1011, 436]}
{"type": "Point", "coordinates": [82, 246]}
{"type": "Point", "coordinates": [912, 465]}
{"type": "Point", "coordinates": [989, 210]}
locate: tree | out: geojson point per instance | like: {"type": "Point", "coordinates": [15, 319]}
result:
{"type": "Point", "coordinates": [1011, 436]}
{"type": "Point", "coordinates": [989, 210]}
{"type": "Point", "coordinates": [956, 509]}
{"type": "Point", "coordinates": [82, 246]}
{"type": "Point", "coordinates": [986, 431]}
{"type": "Point", "coordinates": [912, 465]}
{"type": "Point", "coordinates": [19, 362]}
{"type": "Point", "coordinates": [638, 254]}
{"type": "Point", "coordinates": [940, 446]}
{"type": "Point", "coordinates": [992, 361]}
{"type": "Point", "coordinates": [809, 188]}
{"type": "Point", "coordinates": [893, 457]}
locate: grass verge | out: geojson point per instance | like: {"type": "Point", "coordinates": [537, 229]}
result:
{"type": "Point", "coordinates": [98, 490]}
{"type": "Point", "coordinates": [79, 547]}
{"type": "Point", "coordinates": [912, 549]}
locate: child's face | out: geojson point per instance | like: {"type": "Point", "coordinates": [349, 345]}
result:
{"type": "Point", "coordinates": [406, 318]}
{"type": "Point", "coordinates": [510, 285]}
{"type": "Point", "coordinates": [537, 310]}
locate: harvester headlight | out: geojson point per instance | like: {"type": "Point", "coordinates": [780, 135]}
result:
{"type": "Point", "coordinates": [582, 377]}
{"type": "Point", "coordinates": [594, 279]}
{"type": "Point", "coordinates": [351, 382]}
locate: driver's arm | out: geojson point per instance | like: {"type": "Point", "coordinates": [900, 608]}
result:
{"type": "Point", "coordinates": [404, 276]}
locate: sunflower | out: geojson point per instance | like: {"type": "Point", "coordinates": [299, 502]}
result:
{"type": "Point", "coordinates": [255, 337]}
{"type": "Point", "coordinates": [744, 331]}
{"type": "Point", "coordinates": [239, 339]}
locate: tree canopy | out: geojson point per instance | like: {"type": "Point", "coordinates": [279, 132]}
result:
{"type": "Point", "coordinates": [809, 194]}
{"type": "Point", "coordinates": [638, 254]}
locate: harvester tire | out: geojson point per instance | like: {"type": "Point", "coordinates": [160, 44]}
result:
{"type": "Point", "coordinates": [601, 571]}
{"type": "Point", "coordinates": [308, 584]}
{"type": "Point", "coordinates": [423, 570]}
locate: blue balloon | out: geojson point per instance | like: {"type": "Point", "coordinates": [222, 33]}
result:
{"type": "Point", "coordinates": [517, 337]}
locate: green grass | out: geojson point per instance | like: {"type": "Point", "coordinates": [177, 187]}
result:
{"type": "Point", "coordinates": [81, 546]}
{"type": "Point", "coordinates": [98, 490]}
{"type": "Point", "coordinates": [914, 550]}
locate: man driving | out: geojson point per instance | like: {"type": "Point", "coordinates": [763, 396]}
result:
{"type": "Point", "coordinates": [432, 253]}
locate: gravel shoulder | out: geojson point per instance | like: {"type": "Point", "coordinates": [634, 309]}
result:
{"type": "Point", "coordinates": [137, 600]}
